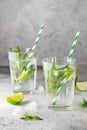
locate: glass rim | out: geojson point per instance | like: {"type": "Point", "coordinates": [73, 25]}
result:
{"type": "Point", "coordinates": [18, 52]}
{"type": "Point", "coordinates": [58, 58]}
{"type": "Point", "coordinates": [14, 56]}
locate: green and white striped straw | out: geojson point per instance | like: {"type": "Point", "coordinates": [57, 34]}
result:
{"type": "Point", "coordinates": [62, 83]}
{"type": "Point", "coordinates": [70, 55]}
{"type": "Point", "coordinates": [36, 41]}
{"type": "Point", "coordinates": [69, 58]}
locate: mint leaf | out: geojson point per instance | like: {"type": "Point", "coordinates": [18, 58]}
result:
{"type": "Point", "coordinates": [37, 117]}
{"type": "Point", "coordinates": [25, 55]}
{"type": "Point", "coordinates": [11, 49]}
{"type": "Point", "coordinates": [76, 79]}
{"type": "Point", "coordinates": [53, 77]}
{"type": "Point", "coordinates": [53, 63]}
{"type": "Point", "coordinates": [27, 117]}
{"type": "Point", "coordinates": [62, 68]}
{"type": "Point", "coordinates": [84, 104]}
{"type": "Point", "coordinates": [18, 49]}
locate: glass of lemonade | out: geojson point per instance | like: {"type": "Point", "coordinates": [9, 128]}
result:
{"type": "Point", "coordinates": [54, 70]}
{"type": "Point", "coordinates": [23, 72]}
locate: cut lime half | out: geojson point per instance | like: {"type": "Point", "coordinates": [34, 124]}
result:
{"type": "Point", "coordinates": [81, 86]}
{"type": "Point", "coordinates": [15, 98]}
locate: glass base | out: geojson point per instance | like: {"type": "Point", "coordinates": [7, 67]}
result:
{"type": "Point", "coordinates": [61, 108]}
{"type": "Point", "coordinates": [24, 92]}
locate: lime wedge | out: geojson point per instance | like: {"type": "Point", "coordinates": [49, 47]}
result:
{"type": "Point", "coordinates": [26, 75]}
{"type": "Point", "coordinates": [81, 86]}
{"type": "Point", "coordinates": [15, 98]}
{"type": "Point", "coordinates": [70, 71]}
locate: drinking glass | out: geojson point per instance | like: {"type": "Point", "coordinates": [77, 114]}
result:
{"type": "Point", "coordinates": [54, 71]}
{"type": "Point", "coordinates": [23, 72]}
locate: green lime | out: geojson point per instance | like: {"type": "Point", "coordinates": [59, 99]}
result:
{"type": "Point", "coordinates": [15, 98]}
{"type": "Point", "coordinates": [81, 86]}
{"type": "Point", "coordinates": [26, 75]}
{"type": "Point", "coordinates": [70, 71]}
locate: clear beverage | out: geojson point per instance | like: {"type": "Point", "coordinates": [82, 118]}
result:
{"type": "Point", "coordinates": [54, 70]}
{"type": "Point", "coordinates": [23, 73]}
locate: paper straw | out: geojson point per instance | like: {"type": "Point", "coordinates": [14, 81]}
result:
{"type": "Point", "coordinates": [69, 58]}
{"type": "Point", "coordinates": [36, 41]}
{"type": "Point", "coordinates": [70, 55]}
{"type": "Point", "coordinates": [62, 83]}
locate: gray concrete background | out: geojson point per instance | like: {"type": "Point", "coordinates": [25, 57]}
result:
{"type": "Point", "coordinates": [20, 21]}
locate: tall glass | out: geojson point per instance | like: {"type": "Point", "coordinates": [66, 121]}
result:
{"type": "Point", "coordinates": [54, 70]}
{"type": "Point", "coordinates": [23, 72]}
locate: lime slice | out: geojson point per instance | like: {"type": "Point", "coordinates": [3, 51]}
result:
{"type": "Point", "coordinates": [81, 86]}
{"type": "Point", "coordinates": [15, 98]}
{"type": "Point", "coordinates": [26, 75]}
{"type": "Point", "coordinates": [70, 71]}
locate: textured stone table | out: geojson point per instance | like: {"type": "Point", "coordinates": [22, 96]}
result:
{"type": "Point", "coordinates": [69, 119]}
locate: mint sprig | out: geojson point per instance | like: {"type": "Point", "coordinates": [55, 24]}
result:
{"type": "Point", "coordinates": [55, 76]}
{"type": "Point", "coordinates": [84, 104]}
{"type": "Point", "coordinates": [27, 117]}
{"type": "Point", "coordinates": [11, 49]}
{"type": "Point", "coordinates": [22, 64]}
{"type": "Point", "coordinates": [18, 49]}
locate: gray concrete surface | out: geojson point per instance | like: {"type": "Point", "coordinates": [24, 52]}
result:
{"type": "Point", "coordinates": [20, 21]}
{"type": "Point", "coordinates": [74, 118]}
